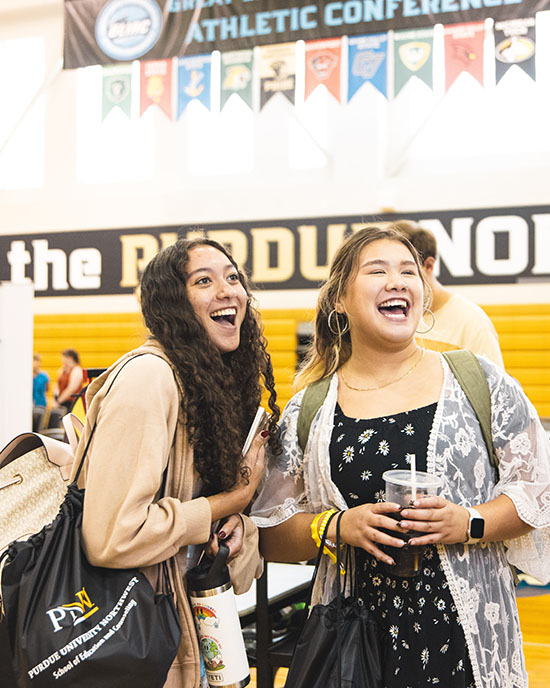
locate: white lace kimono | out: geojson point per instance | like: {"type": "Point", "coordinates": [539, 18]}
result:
{"type": "Point", "coordinates": [479, 576]}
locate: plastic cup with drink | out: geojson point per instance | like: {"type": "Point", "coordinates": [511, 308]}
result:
{"type": "Point", "coordinates": [403, 488]}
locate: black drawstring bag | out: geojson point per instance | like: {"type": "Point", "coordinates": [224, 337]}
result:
{"type": "Point", "coordinates": [71, 624]}
{"type": "Point", "coordinates": [340, 645]}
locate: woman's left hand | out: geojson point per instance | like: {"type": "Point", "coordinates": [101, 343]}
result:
{"type": "Point", "coordinates": [438, 520]}
{"type": "Point", "coordinates": [230, 533]}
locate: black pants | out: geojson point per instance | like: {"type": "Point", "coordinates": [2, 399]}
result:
{"type": "Point", "coordinates": [57, 413]}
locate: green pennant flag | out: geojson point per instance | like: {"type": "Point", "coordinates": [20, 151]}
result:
{"type": "Point", "coordinates": [413, 56]}
{"type": "Point", "coordinates": [117, 89]}
{"type": "Point", "coordinates": [236, 76]}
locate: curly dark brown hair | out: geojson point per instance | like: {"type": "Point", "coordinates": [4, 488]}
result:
{"type": "Point", "coordinates": [222, 391]}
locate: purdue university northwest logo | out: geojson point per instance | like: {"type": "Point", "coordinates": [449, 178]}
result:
{"type": "Point", "coordinates": [73, 613]}
{"type": "Point", "coordinates": [127, 29]}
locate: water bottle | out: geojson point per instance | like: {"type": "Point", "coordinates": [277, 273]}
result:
{"type": "Point", "coordinates": [215, 612]}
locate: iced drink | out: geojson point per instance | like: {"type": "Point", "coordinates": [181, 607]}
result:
{"type": "Point", "coordinates": [403, 487]}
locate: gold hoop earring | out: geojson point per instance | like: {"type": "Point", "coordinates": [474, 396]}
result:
{"type": "Point", "coordinates": [338, 332]}
{"type": "Point", "coordinates": [427, 310]}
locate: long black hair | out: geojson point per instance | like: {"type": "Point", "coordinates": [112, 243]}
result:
{"type": "Point", "coordinates": [222, 391]}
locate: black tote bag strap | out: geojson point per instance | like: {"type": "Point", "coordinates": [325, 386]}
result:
{"type": "Point", "coordinates": [339, 599]}
{"type": "Point", "coordinates": [338, 515]}
{"type": "Point", "coordinates": [318, 560]}
{"type": "Point", "coordinates": [165, 571]}
{"type": "Point", "coordinates": [85, 452]}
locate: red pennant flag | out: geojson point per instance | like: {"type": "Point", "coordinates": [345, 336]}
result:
{"type": "Point", "coordinates": [464, 51]}
{"type": "Point", "coordinates": [323, 59]}
{"type": "Point", "coordinates": [155, 78]}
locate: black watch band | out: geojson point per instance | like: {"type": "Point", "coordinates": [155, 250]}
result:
{"type": "Point", "coordinates": [476, 526]}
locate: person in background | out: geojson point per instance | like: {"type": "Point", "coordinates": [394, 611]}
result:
{"type": "Point", "coordinates": [458, 322]}
{"type": "Point", "coordinates": [455, 623]}
{"type": "Point", "coordinates": [70, 379]}
{"type": "Point", "coordinates": [40, 386]}
{"type": "Point", "coordinates": [184, 400]}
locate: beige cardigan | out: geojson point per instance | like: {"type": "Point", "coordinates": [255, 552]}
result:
{"type": "Point", "coordinates": [126, 522]}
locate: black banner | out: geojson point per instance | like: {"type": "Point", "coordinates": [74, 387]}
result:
{"type": "Point", "coordinates": [108, 31]}
{"type": "Point", "coordinates": [490, 246]}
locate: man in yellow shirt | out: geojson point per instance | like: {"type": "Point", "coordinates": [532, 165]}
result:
{"type": "Point", "coordinates": [459, 323]}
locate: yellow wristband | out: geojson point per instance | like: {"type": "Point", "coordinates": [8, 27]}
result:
{"type": "Point", "coordinates": [314, 531]}
{"type": "Point", "coordinates": [318, 526]}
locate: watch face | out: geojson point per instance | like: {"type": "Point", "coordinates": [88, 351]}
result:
{"type": "Point", "coordinates": [477, 528]}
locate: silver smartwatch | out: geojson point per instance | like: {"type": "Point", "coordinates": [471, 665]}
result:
{"type": "Point", "coordinates": [476, 526]}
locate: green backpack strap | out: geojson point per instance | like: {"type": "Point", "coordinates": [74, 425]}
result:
{"type": "Point", "coordinates": [469, 373]}
{"type": "Point", "coordinates": [312, 401]}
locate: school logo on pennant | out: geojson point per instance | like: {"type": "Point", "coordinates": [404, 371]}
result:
{"type": "Point", "coordinates": [515, 49]}
{"type": "Point", "coordinates": [323, 65]}
{"type": "Point", "coordinates": [365, 64]}
{"type": "Point", "coordinates": [237, 77]}
{"type": "Point", "coordinates": [415, 54]}
{"type": "Point", "coordinates": [155, 88]}
{"type": "Point", "coordinates": [118, 90]}
{"type": "Point", "coordinates": [194, 88]}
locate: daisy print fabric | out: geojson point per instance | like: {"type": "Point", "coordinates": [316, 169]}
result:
{"type": "Point", "coordinates": [425, 644]}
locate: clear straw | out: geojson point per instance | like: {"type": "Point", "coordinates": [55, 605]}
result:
{"type": "Point", "coordinates": [413, 477]}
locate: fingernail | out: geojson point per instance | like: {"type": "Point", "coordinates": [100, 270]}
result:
{"type": "Point", "coordinates": [404, 525]}
{"type": "Point", "coordinates": [264, 433]}
{"type": "Point", "coordinates": [391, 562]}
{"type": "Point", "coordinates": [222, 535]}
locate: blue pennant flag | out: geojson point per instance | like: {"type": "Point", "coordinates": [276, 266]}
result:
{"type": "Point", "coordinates": [194, 78]}
{"type": "Point", "coordinates": [367, 61]}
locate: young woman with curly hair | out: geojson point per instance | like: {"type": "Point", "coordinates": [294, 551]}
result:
{"type": "Point", "coordinates": [184, 400]}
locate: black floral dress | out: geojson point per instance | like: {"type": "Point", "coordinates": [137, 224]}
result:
{"type": "Point", "coordinates": [426, 644]}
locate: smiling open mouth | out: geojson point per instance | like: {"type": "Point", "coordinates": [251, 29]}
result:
{"type": "Point", "coordinates": [394, 307]}
{"type": "Point", "coordinates": [227, 315]}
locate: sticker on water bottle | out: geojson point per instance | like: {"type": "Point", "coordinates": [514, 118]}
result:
{"type": "Point", "coordinates": [222, 648]}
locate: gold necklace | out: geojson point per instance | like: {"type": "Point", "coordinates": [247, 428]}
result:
{"type": "Point", "coordinates": [386, 384]}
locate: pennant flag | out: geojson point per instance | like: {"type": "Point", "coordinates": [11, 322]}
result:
{"type": "Point", "coordinates": [116, 89]}
{"type": "Point", "coordinates": [413, 56]}
{"type": "Point", "coordinates": [194, 78]}
{"type": "Point", "coordinates": [464, 51]}
{"type": "Point", "coordinates": [155, 78]}
{"type": "Point", "coordinates": [323, 59]}
{"type": "Point", "coordinates": [367, 60]}
{"type": "Point", "coordinates": [515, 44]}
{"type": "Point", "coordinates": [236, 76]}
{"type": "Point", "coordinates": [277, 68]}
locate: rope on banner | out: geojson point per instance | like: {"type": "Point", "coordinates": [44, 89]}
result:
{"type": "Point", "coordinates": [194, 20]}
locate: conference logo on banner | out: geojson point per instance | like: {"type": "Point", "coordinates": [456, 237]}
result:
{"type": "Point", "coordinates": [194, 79]}
{"type": "Point", "coordinates": [116, 90]}
{"type": "Point", "coordinates": [236, 76]}
{"type": "Point", "coordinates": [413, 56]}
{"type": "Point", "coordinates": [126, 31]}
{"type": "Point", "coordinates": [155, 78]}
{"type": "Point", "coordinates": [323, 60]}
{"type": "Point", "coordinates": [277, 69]}
{"type": "Point", "coordinates": [367, 62]}
{"type": "Point", "coordinates": [464, 51]}
{"type": "Point", "coordinates": [515, 45]}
